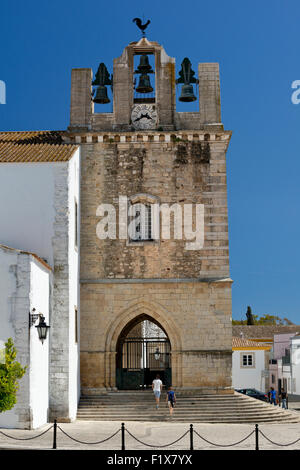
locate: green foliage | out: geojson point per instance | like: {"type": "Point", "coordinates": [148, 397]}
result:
{"type": "Point", "coordinates": [263, 320]}
{"type": "Point", "coordinates": [10, 372]}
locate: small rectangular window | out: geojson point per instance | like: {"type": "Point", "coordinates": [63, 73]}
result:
{"type": "Point", "coordinates": [76, 325]}
{"type": "Point", "coordinates": [247, 360]}
{"type": "Point", "coordinates": [76, 225]}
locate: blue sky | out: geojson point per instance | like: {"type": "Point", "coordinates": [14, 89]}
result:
{"type": "Point", "coordinates": [257, 46]}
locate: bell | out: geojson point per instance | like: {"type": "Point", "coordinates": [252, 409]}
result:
{"type": "Point", "coordinates": [187, 93]}
{"type": "Point", "coordinates": [144, 85]}
{"type": "Point", "coordinates": [144, 66]}
{"type": "Point", "coordinates": [101, 95]}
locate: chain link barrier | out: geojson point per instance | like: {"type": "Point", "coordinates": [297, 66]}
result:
{"type": "Point", "coordinates": [157, 446]}
{"type": "Point", "coordinates": [277, 443]}
{"type": "Point", "coordinates": [191, 431]}
{"type": "Point", "coordinates": [88, 443]}
{"type": "Point", "coordinates": [224, 445]}
{"type": "Point", "coordinates": [26, 438]}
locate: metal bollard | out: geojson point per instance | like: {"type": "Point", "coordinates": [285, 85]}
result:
{"type": "Point", "coordinates": [191, 437]}
{"type": "Point", "coordinates": [123, 436]}
{"type": "Point", "coordinates": [256, 437]}
{"type": "Point", "coordinates": [54, 434]}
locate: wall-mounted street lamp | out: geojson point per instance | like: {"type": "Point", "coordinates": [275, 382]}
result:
{"type": "Point", "coordinates": [42, 327]}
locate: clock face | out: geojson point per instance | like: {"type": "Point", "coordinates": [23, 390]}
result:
{"type": "Point", "coordinates": [143, 116]}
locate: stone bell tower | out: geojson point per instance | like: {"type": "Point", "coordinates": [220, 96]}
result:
{"type": "Point", "coordinates": [142, 156]}
{"type": "Point", "coordinates": [83, 117]}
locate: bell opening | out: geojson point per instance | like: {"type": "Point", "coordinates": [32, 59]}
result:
{"type": "Point", "coordinates": [187, 95]}
{"type": "Point", "coordinates": [102, 90]}
{"type": "Point", "coordinates": [144, 78]}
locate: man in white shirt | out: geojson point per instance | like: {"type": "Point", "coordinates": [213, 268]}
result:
{"type": "Point", "coordinates": [157, 388]}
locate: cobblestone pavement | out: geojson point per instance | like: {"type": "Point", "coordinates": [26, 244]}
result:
{"type": "Point", "coordinates": [155, 434]}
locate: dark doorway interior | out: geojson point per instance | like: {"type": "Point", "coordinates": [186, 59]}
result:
{"type": "Point", "coordinates": [143, 351]}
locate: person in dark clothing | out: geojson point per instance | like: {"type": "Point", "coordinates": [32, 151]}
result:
{"type": "Point", "coordinates": [171, 400]}
{"type": "Point", "coordinates": [283, 396]}
{"type": "Point", "coordinates": [273, 396]}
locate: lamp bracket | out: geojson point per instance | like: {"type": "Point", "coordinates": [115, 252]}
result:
{"type": "Point", "coordinates": [33, 317]}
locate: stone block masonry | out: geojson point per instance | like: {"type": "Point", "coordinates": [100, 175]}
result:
{"type": "Point", "coordinates": [195, 315]}
{"type": "Point", "coordinates": [172, 172]}
{"type": "Point", "coordinates": [187, 292]}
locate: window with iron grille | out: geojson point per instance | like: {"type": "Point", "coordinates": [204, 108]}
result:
{"type": "Point", "coordinates": [141, 226]}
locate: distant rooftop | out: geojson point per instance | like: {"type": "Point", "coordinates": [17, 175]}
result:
{"type": "Point", "coordinates": [243, 343]}
{"type": "Point", "coordinates": [34, 146]}
{"type": "Point", "coordinates": [263, 332]}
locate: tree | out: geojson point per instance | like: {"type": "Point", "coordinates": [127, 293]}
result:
{"type": "Point", "coordinates": [250, 318]}
{"type": "Point", "coordinates": [10, 372]}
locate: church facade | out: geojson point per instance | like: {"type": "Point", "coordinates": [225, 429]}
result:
{"type": "Point", "coordinates": [170, 159]}
{"type": "Point", "coordinates": [150, 205]}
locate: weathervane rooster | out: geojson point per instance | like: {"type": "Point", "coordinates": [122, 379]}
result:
{"type": "Point", "coordinates": [141, 26]}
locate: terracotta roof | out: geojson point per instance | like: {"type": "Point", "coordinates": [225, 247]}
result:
{"type": "Point", "coordinates": [34, 146]}
{"type": "Point", "coordinates": [263, 332]}
{"type": "Point", "coordinates": [40, 260]}
{"type": "Point", "coordinates": [243, 343]}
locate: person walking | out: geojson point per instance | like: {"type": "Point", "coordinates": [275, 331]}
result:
{"type": "Point", "coordinates": [171, 400]}
{"type": "Point", "coordinates": [157, 388]}
{"type": "Point", "coordinates": [273, 396]}
{"type": "Point", "coordinates": [283, 396]}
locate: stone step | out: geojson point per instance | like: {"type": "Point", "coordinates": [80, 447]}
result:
{"type": "Point", "coordinates": [179, 412]}
{"type": "Point", "coordinates": [211, 420]}
{"type": "Point", "coordinates": [179, 408]}
{"type": "Point", "coordinates": [181, 405]}
{"type": "Point", "coordinates": [193, 419]}
{"type": "Point", "coordinates": [181, 400]}
{"type": "Point", "coordinates": [140, 406]}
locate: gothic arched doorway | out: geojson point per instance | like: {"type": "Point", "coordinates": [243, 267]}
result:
{"type": "Point", "coordinates": [143, 351]}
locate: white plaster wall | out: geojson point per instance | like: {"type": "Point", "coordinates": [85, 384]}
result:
{"type": "Point", "coordinates": [248, 377]}
{"type": "Point", "coordinates": [285, 373]}
{"type": "Point", "coordinates": [295, 364]}
{"type": "Point", "coordinates": [74, 302]}
{"type": "Point", "coordinates": [64, 353]}
{"type": "Point", "coordinates": [24, 284]}
{"type": "Point", "coordinates": [27, 216]}
{"type": "Point", "coordinates": [39, 352]}
{"type": "Point", "coordinates": [8, 260]}
{"type": "Point", "coordinates": [38, 216]}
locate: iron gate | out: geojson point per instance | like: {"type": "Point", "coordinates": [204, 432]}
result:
{"type": "Point", "coordinates": [139, 360]}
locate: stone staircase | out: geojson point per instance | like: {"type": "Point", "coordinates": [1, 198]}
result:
{"type": "Point", "coordinates": [140, 406]}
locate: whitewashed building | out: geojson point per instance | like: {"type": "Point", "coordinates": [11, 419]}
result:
{"type": "Point", "coordinates": [26, 282]}
{"type": "Point", "coordinates": [285, 363]}
{"type": "Point", "coordinates": [39, 213]}
{"type": "Point", "coordinates": [250, 360]}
